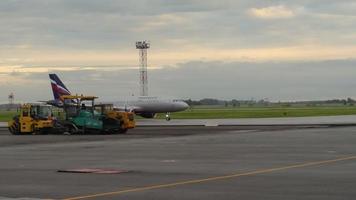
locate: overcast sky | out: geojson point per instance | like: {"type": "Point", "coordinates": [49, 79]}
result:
{"type": "Point", "coordinates": [243, 49]}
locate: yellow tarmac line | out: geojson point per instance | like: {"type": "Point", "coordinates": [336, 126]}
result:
{"type": "Point", "coordinates": [256, 172]}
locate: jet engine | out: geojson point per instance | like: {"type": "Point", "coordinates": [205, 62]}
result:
{"type": "Point", "coordinates": [147, 115]}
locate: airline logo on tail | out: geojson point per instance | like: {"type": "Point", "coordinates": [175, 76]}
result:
{"type": "Point", "coordinates": [58, 88]}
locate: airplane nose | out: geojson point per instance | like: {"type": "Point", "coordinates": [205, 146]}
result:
{"type": "Point", "coordinates": [184, 106]}
{"type": "Point", "coordinates": [179, 106]}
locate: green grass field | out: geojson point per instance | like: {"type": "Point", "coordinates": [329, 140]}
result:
{"type": "Point", "coordinates": [214, 112]}
{"type": "Point", "coordinates": [6, 115]}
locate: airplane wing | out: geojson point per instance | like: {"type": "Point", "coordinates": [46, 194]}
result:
{"type": "Point", "coordinates": [52, 103]}
{"type": "Point", "coordinates": [127, 108]}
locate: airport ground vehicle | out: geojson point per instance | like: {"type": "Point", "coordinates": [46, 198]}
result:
{"type": "Point", "coordinates": [33, 119]}
{"type": "Point", "coordinates": [126, 118]}
{"type": "Point", "coordinates": [82, 116]}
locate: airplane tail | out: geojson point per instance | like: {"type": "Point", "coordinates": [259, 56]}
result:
{"type": "Point", "coordinates": [58, 88]}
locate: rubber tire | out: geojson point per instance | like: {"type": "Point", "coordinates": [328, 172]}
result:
{"type": "Point", "coordinates": [70, 129]}
{"type": "Point", "coordinates": [34, 131]}
{"type": "Point", "coordinates": [123, 131]}
{"type": "Point", "coordinates": [15, 128]}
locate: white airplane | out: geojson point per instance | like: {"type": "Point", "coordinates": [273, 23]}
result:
{"type": "Point", "coordinates": [148, 106]}
{"type": "Point", "coordinates": [144, 106]}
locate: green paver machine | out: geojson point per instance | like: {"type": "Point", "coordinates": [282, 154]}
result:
{"type": "Point", "coordinates": [81, 116]}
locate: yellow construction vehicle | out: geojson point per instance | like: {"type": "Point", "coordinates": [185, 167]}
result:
{"type": "Point", "coordinates": [127, 119]}
{"type": "Point", "coordinates": [82, 115]}
{"type": "Point", "coordinates": [33, 119]}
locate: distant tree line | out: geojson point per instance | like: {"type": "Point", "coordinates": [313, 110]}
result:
{"type": "Point", "coordinates": [233, 102]}
{"type": "Point", "coordinates": [266, 102]}
{"type": "Point", "coordinates": [347, 101]}
{"type": "Point", "coordinates": [9, 107]}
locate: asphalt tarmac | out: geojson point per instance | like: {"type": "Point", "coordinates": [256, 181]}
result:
{"type": "Point", "coordinates": [321, 120]}
{"type": "Point", "coordinates": [197, 162]}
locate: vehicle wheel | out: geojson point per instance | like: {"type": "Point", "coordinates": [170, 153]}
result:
{"type": "Point", "coordinates": [123, 131]}
{"type": "Point", "coordinates": [109, 132]}
{"type": "Point", "coordinates": [15, 128]}
{"type": "Point", "coordinates": [168, 116]}
{"type": "Point", "coordinates": [69, 129]}
{"type": "Point", "coordinates": [34, 130]}
{"type": "Point", "coordinates": [58, 128]}
{"type": "Point", "coordinates": [45, 131]}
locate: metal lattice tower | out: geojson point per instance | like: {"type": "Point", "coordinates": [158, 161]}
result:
{"type": "Point", "coordinates": [11, 101]}
{"type": "Point", "coordinates": [142, 46]}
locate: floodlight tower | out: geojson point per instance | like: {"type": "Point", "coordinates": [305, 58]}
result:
{"type": "Point", "coordinates": [11, 101]}
{"type": "Point", "coordinates": [142, 46]}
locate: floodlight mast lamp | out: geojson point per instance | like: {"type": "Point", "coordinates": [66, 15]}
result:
{"type": "Point", "coordinates": [11, 98]}
{"type": "Point", "coordinates": [11, 101]}
{"type": "Point", "coordinates": [142, 46]}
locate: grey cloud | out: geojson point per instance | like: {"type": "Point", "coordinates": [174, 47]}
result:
{"type": "Point", "coordinates": [286, 81]}
{"type": "Point", "coordinates": [108, 24]}
{"type": "Point", "coordinates": [240, 80]}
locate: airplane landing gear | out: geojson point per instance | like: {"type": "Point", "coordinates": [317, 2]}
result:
{"type": "Point", "coordinates": [168, 116]}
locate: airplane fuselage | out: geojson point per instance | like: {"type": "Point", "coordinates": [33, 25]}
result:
{"type": "Point", "coordinates": [147, 104]}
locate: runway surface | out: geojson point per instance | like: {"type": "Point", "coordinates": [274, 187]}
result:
{"type": "Point", "coordinates": [342, 119]}
{"type": "Point", "coordinates": [229, 162]}
{"type": "Point", "coordinates": [3, 124]}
